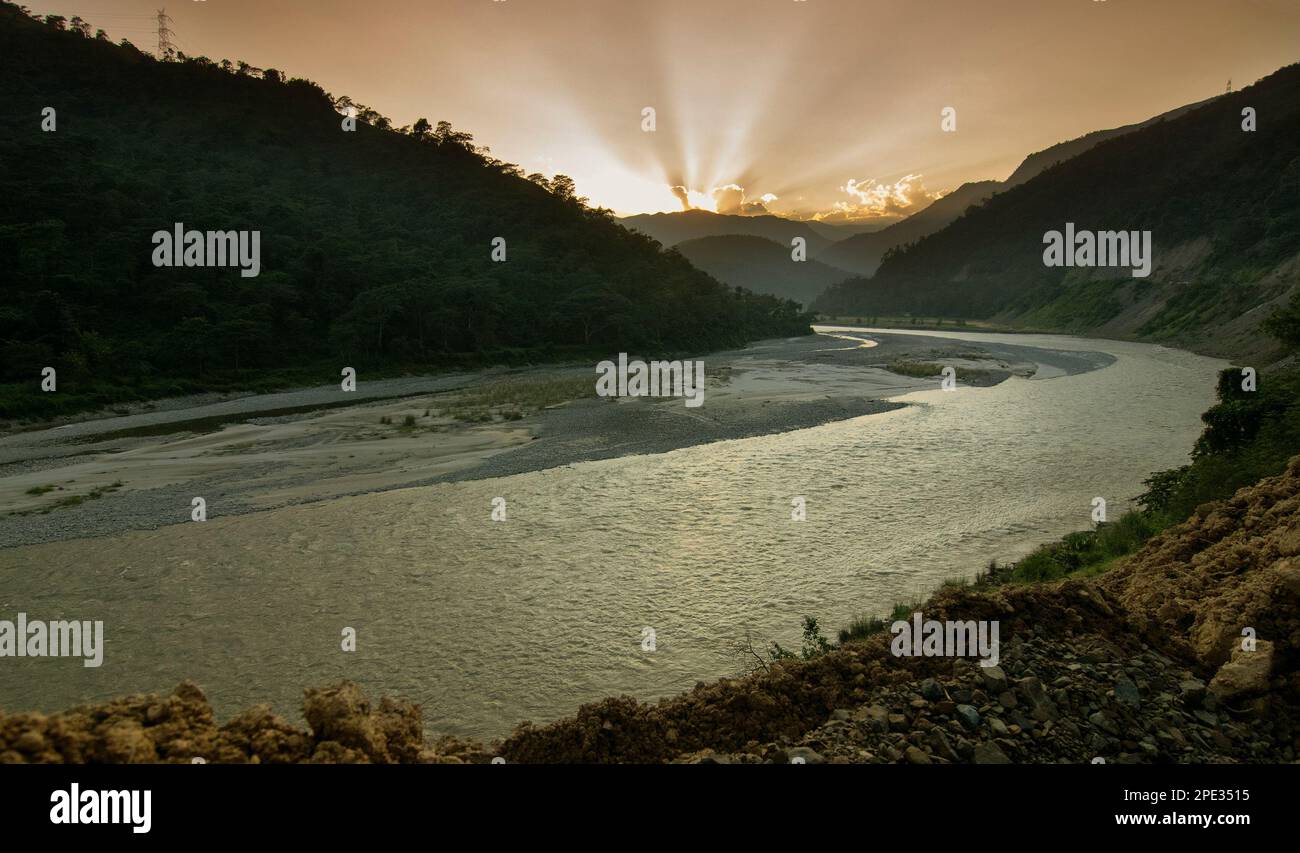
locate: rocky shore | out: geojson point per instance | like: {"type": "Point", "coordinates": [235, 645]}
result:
{"type": "Point", "coordinates": [1185, 652]}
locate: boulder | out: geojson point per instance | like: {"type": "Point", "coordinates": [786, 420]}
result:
{"type": "Point", "coordinates": [1246, 674]}
{"type": "Point", "coordinates": [989, 752]}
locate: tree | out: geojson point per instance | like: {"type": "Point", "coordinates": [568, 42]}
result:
{"type": "Point", "coordinates": [445, 135]}
{"type": "Point", "coordinates": [1284, 323]}
{"type": "Point", "coordinates": [563, 186]}
{"type": "Point", "coordinates": [193, 337]}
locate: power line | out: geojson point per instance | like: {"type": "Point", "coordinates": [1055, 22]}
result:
{"type": "Point", "coordinates": [165, 46]}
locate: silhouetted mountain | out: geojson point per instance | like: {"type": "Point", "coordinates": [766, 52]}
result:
{"type": "Point", "coordinates": [842, 230]}
{"type": "Point", "coordinates": [673, 228]}
{"type": "Point", "coordinates": [859, 247]}
{"type": "Point", "coordinates": [862, 253]}
{"type": "Point", "coordinates": [376, 245]}
{"type": "Point", "coordinates": [1222, 205]}
{"type": "Point", "coordinates": [761, 266]}
{"type": "Point", "coordinates": [1040, 161]}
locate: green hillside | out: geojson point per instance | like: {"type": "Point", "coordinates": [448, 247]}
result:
{"type": "Point", "coordinates": [1223, 206]}
{"type": "Point", "coordinates": [375, 244]}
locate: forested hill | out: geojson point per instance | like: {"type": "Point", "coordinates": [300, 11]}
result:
{"type": "Point", "coordinates": [1222, 205]}
{"type": "Point", "coordinates": [376, 245]}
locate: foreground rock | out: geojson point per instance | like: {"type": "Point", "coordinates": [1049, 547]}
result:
{"type": "Point", "coordinates": [180, 728]}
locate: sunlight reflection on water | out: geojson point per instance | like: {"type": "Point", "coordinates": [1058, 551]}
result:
{"type": "Point", "coordinates": [487, 624]}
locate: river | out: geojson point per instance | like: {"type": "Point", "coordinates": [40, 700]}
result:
{"type": "Point", "coordinates": [488, 623]}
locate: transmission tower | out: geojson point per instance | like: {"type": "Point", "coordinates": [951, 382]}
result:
{"type": "Point", "coordinates": [165, 46]}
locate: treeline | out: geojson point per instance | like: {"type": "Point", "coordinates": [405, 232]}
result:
{"type": "Point", "coordinates": [375, 244]}
{"type": "Point", "coordinates": [1229, 199]}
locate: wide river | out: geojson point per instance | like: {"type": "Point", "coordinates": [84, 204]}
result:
{"type": "Point", "coordinates": [486, 624]}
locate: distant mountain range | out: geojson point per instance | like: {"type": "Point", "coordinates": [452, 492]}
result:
{"type": "Point", "coordinates": [862, 253]}
{"type": "Point", "coordinates": [840, 230]}
{"type": "Point", "coordinates": [762, 265]}
{"type": "Point", "coordinates": [1222, 204]}
{"type": "Point", "coordinates": [841, 249]}
{"type": "Point", "coordinates": [673, 228]}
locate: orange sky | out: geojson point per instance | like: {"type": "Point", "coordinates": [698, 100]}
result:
{"type": "Point", "coordinates": [825, 104]}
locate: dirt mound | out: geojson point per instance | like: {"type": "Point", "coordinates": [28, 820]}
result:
{"type": "Point", "coordinates": [1078, 698]}
{"type": "Point", "coordinates": [1229, 573]}
{"type": "Point", "coordinates": [181, 728]}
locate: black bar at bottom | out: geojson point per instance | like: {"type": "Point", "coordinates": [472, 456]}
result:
{"type": "Point", "coordinates": [213, 802]}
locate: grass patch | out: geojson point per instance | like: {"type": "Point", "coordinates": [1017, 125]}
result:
{"type": "Point", "coordinates": [76, 500]}
{"type": "Point", "coordinates": [512, 399]}
{"type": "Point", "coordinates": [530, 393]}
{"type": "Point", "coordinates": [929, 369]}
{"type": "Point", "coordinates": [1085, 552]}
{"type": "Point", "coordinates": [917, 369]}
{"type": "Point", "coordinates": [100, 491]}
{"type": "Point", "coordinates": [867, 626]}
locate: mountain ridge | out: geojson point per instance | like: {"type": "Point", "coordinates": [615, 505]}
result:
{"type": "Point", "coordinates": [679, 226]}
{"type": "Point", "coordinates": [762, 265]}
{"type": "Point", "coordinates": [1222, 204]}
{"type": "Point", "coordinates": [862, 253]}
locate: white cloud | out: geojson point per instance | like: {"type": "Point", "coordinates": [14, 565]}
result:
{"type": "Point", "coordinates": [728, 199]}
{"type": "Point", "coordinates": [871, 199]}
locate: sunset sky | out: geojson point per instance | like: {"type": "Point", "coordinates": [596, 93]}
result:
{"type": "Point", "coordinates": [804, 107]}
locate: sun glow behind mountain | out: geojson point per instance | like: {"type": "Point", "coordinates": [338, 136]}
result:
{"type": "Point", "coordinates": [825, 108]}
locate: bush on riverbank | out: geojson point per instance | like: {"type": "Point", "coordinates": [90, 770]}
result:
{"type": "Point", "coordinates": [1087, 551]}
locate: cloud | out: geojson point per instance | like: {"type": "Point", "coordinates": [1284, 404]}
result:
{"type": "Point", "coordinates": [728, 199]}
{"type": "Point", "coordinates": [870, 199]}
